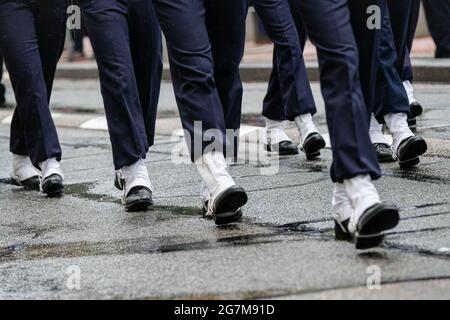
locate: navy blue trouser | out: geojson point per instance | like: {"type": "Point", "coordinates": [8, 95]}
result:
{"type": "Point", "coordinates": [438, 19]}
{"type": "Point", "coordinates": [32, 34]}
{"type": "Point", "coordinates": [78, 35]}
{"type": "Point", "coordinates": [2, 86]}
{"type": "Point", "coordinates": [205, 40]}
{"type": "Point", "coordinates": [329, 25]}
{"type": "Point", "coordinates": [126, 40]}
{"type": "Point", "coordinates": [413, 19]}
{"type": "Point", "coordinates": [289, 93]}
{"type": "Point", "coordinates": [367, 42]}
{"type": "Point", "coordinates": [1, 67]}
{"type": "Point", "coordinates": [404, 16]}
{"type": "Point", "coordinates": [391, 96]}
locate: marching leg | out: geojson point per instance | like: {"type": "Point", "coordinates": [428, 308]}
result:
{"type": "Point", "coordinates": [394, 107]}
{"type": "Point", "coordinates": [146, 52]}
{"type": "Point", "coordinates": [31, 64]}
{"type": "Point", "coordinates": [297, 102]}
{"type": "Point", "coordinates": [403, 18]}
{"type": "Point", "coordinates": [2, 86]}
{"type": "Point", "coordinates": [199, 103]}
{"type": "Point", "coordinates": [225, 24]}
{"type": "Point", "coordinates": [109, 31]}
{"type": "Point", "coordinates": [354, 161]}
{"type": "Point", "coordinates": [438, 19]}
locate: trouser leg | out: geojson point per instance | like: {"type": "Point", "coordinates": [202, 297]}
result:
{"type": "Point", "coordinates": [192, 70]}
{"type": "Point", "coordinates": [107, 24]}
{"type": "Point", "coordinates": [1, 67]}
{"type": "Point", "coordinates": [403, 22]}
{"type": "Point", "coordinates": [293, 95]}
{"type": "Point", "coordinates": [438, 18]}
{"type": "Point", "coordinates": [31, 49]}
{"type": "Point", "coordinates": [225, 23]}
{"type": "Point", "coordinates": [391, 96]}
{"type": "Point", "coordinates": [328, 25]}
{"type": "Point", "coordinates": [146, 51]}
{"type": "Point", "coordinates": [407, 72]}
{"type": "Point", "coordinates": [2, 86]}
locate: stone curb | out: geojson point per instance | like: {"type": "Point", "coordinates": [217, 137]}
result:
{"type": "Point", "coordinates": [425, 70]}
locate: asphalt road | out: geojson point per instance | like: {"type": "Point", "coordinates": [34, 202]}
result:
{"type": "Point", "coordinates": [284, 248]}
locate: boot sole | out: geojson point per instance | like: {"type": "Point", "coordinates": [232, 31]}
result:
{"type": "Point", "coordinates": [377, 219]}
{"type": "Point", "coordinates": [374, 221]}
{"type": "Point", "coordinates": [411, 155]}
{"type": "Point", "coordinates": [31, 184]}
{"type": "Point", "coordinates": [52, 188]}
{"type": "Point", "coordinates": [227, 208]}
{"type": "Point", "coordinates": [281, 153]}
{"type": "Point", "coordinates": [404, 165]}
{"type": "Point", "coordinates": [362, 242]}
{"type": "Point", "coordinates": [385, 158]}
{"type": "Point", "coordinates": [53, 191]}
{"type": "Point", "coordinates": [140, 205]}
{"type": "Point", "coordinates": [228, 218]}
{"type": "Point", "coordinates": [312, 150]}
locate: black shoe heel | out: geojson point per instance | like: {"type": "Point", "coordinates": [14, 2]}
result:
{"type": "Point", "coordinates": [138, 199]}
{"type": "Point", "coordinates": [340, 234]}
{"type": "Point", "coordinates": [228, 204]}
{"type": "Point", "coordinates": [312, 146]}
{"type": "Point", "coordinates": [53, 186]}
{"type": "Point", "coordinates": [405, 165]}
{"type": "Point", "coordinates": [409, 151]}
{"type": "Point", "coordinates": [368, 242]}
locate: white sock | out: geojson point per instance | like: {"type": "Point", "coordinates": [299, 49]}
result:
{"type": "Point", "coordinates": [362, 195]}
{"type": "Point", "coordinates": [398, 126]}
{"type": "Point", "coordinates": [51, 167]}
{"type": "Point", "coordinates": [212, 168]}
{"type": "Point", "coordinates": [341, 207]}
{"type": "Point", "coordinates": [305, 126]}
{"type": "Point", "coordinates": [135, 175]}
{"type": "Point", "coordinates": [22, 168]}
{"type": "Point", "coordinates": [409, 90]}
{"type": "Point", "coordinates": [204, 192]}
{"type": "Point", "coordinates": [376, 131]}
{"type": "Point", "coordinates": [274, 132]}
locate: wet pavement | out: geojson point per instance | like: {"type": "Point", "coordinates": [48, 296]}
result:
{"type": "Point", "coordinates": [284, 248]}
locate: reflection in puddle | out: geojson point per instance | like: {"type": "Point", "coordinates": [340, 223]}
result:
{"type": "Point", "coordinates": [82, 190]}
{"type": "Point", "coordinates": [143, 245]}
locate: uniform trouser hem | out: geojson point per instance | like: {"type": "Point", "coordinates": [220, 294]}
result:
{"type": "Point", "coordinates": [340, 179]}
{"type": "Point", "coordinates": [129, 161]}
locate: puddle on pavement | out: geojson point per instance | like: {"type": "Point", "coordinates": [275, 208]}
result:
{"type": "Point", "coordinates": [82, 190]}
{"type": "Point", "coordinates": [142, 245]}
